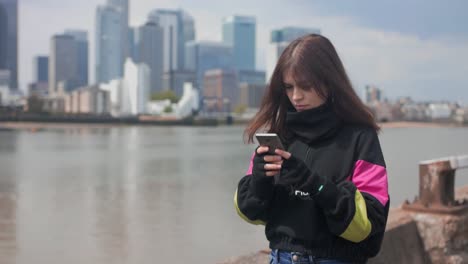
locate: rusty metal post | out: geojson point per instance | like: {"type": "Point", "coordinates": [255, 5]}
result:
{"type": "Point", "coordinates": [437, 186]}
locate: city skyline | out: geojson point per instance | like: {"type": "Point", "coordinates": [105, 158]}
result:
{"type": "Point", "coordinates": [403, 61]}
{"type": "Point", "coordinates": [9, 14]}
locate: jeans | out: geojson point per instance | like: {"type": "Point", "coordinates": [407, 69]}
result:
{"type": "Point", "coordinates": [286, 257]}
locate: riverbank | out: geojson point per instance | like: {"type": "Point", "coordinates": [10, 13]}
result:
{"type": "Point", "coordinates": [406, 124]}
{"type": "Point", "coordinates": [35, 126]}
{"type": "Point", "coordinates": [38, 122]}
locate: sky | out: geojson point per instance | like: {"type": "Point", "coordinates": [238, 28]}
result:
{"type": "Point", "coordinates": [405, 47]}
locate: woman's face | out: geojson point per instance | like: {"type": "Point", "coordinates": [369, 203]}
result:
{"type": "Point", "coordinates": [302, 98]}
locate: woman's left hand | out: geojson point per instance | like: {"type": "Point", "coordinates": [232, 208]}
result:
{"type": "Point", "coordinates": [294, 172]}
{"type": "Point", "coordinates": [284, 154]}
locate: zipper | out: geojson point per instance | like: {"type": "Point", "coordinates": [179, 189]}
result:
{"type": "Point", "coordinates": [307, 155]}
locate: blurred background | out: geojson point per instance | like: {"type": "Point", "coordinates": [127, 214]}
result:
{"type": "Point", "coordinates": [121, 121]}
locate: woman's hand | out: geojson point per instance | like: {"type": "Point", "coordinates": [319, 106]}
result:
{"type": "Point", "coordinates": [284, 154]}
{"type": "Point", "coordinates": [294, 171]}
{"type": "Point", "coordinates": [266, 164]}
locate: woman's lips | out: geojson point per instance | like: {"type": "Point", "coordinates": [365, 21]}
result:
{"type": "Point", "coordinates": [300, 107]}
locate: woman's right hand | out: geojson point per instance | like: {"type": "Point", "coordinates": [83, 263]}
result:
{"type": "Point", "coordinates": [266, 164]}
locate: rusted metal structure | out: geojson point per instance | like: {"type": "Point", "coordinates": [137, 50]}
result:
{"type": "Point", "coordinates": [437, 186]}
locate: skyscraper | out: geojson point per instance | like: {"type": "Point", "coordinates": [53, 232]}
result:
{"type": "Point", "coordinates": [149, 50]}
{"type": "Point", "coordinates": [279, 40]}
{"type": "Point", "coordinates": [204, 55]}
{"type": "Point", "coordinates": [63, 63]}
{"type": "Point", "coordinates": [108, 44]}
{"type": "Point", "coordinates": [9, 40]}
{"type": "Point", "coordinates": [178, 29]}
{"type": "Point", "coordinates": [131, 43]}
{"type": "Point", "coordinates": [41, 64]}
{"type": "Point", "coordinates": [81, 38]}
{"type": "Point", "coordinates": [188, 30]}
{"type": "Point", "coordinates": [239, 32]}
{"type": "Point", "coordinates": [40, 86]}
{"type": "Point", "coordinates": [123, 7]}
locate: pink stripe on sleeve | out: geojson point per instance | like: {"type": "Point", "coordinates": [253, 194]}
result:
{"type": "Point", "coordinates": [249, 171]}
{"type": "Point", "coordinates": [372, 179]}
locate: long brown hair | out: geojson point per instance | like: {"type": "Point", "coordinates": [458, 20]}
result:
{"type": "Point", "coordinates": [314, 63]}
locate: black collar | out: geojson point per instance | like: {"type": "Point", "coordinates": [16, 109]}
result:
{"type": "Point", "coordinates": [313, 125]}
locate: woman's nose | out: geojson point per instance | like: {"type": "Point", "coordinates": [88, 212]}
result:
{"type": "Point", "coordinates": [297, 94]}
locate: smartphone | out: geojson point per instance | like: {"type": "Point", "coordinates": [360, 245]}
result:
{"type": "Point", "coordinates": [271, 140]}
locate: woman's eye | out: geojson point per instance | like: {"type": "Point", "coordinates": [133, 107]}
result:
{"type": "Point", "coordinates": [287, 86]}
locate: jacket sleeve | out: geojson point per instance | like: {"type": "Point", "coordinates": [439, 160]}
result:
{"type": "Point", "coordinates": [252, 197]}
{"type": "Point", "coordinates": [357, 209]}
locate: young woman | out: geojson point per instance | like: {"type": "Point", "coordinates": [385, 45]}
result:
{"type": "Point", "coordinates": [325, 198]}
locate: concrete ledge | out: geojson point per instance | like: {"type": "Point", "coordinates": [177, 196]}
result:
{"type": "Point", "coordinates": [402, 243]}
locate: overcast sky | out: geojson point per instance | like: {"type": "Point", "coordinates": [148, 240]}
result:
{"type": "Point", "coordinates": [406, 47]}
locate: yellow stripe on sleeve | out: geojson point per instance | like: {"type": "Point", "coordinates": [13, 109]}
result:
{"type": "Point", "coordinates": [360, 227]}
{"type": "Point", "coordinates": [255, 222]}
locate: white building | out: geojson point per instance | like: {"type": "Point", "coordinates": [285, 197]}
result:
{"type": "Point", "coordinates": [439, 111]}
{"type": "Point", "coordinates": [10, 97]}
{"type": "Point", "coordinates": [158, 107]}
{"type": "Point", "coordinates": [188, 104]}
{"type": "Point", "coordinates": [414, 112]}
{"type": "Point", "coordinates": [461, 115]}
{"type": "Point", "coordinates": [130, 95]}
{"type": "Point", "coordinates": [119, 98]}
{"type": "Point", "coordinates": [4, 94]}
{"type": "Point", "coordinates": [137, 81]}
{"type": "Point", "coordinates": [189, 101]}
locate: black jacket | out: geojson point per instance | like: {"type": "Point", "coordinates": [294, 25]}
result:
{"type": "Point", "coordinates": [341, 208]}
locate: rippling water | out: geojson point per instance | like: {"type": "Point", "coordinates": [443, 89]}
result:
{"type": "Point", "coordinates": [154, 194]}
